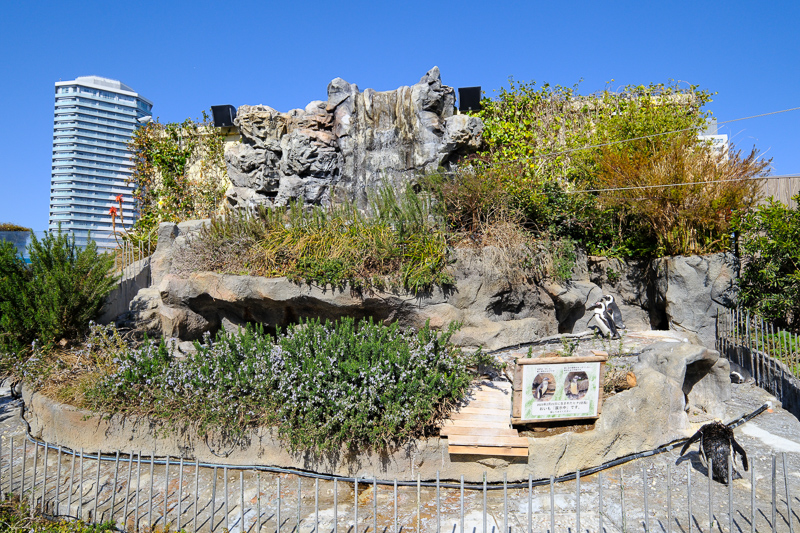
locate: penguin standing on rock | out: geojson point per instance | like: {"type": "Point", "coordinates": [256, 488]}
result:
{"type": "Point", "coordinates": [717, 443]}
{"type": "Point", "coordinates": [613, 309]}
{"type": "Point", "coordinates": [605, 322]}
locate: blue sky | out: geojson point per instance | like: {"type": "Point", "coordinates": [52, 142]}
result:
{"type": "Point", "coordinates": [187, 56]}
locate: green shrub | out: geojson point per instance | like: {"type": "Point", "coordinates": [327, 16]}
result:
{"type": "Point", "coordinates": [17, 516]}
{"type": "Point", "coordinates": [56, 295]}
{"type": "Point", "coordinates": [769, 283]}
{"type": "Point", "coordinates": [322, 385]}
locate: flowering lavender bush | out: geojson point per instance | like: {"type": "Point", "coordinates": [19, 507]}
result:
{"type": "Point", "coordinates": [321, 385]}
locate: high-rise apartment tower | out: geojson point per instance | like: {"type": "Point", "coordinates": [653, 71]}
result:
{"type": "Point", "coordinates": [94, 120]}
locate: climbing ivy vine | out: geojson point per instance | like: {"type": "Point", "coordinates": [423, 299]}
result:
{"type": "Point", "coordinates": [179, 174]}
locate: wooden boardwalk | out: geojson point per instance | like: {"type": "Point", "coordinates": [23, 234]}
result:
{"type": "Point", "coordinates": [482, 426]}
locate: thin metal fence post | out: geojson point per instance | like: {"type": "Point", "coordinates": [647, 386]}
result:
{"type": "Point", "coordinates": [33, 486]}
{"type": "Point", "coordinates": [58, 483]}
{"type": "Point", "coordinates": [375, 505]}
{"type": "Point", "coordinates": [438, 516]}
{"type": "Point", "coordinates": [96, 489]}
{"type": "Point", "coordinates": [150, 503]}
{"type": "Point", "coordinates": [689, 492]}
{"type": "Point", "coordinates": [622, 498]}
{"type": "Point", "coordinates": [336, 504]}
{"type": "Point", "coordinates": [730, 494]}
{"type": "Point", "coordinates": [753, 498]}
{"type": "Point", "coordinates": [127, 492]}
{"type": "Point", "coordinates": [644, 491]}
{"type": "Point", "coordinates": [710, 493]}
{"type": "Point", "coordinates": [300, 501]}
{"type": "Point", "coordinates": [138, 488]}
{"type": "Point", "coordinates": [278, 513]}
{"type": "Point", "coordinates": [71, 484]}
{"type": "Point", "coordinates": [530, 503]}
{"type": "Point", "coordinates": [419, 505]}
{"type": "Point", "coordinates": [669, 498]}
{"type": "Point", "coordinates": [11, 467]}
{"type": "Point", "coordinates": [461, 506]}
{"type": "Point", "coordinates": [225, 485]}
{"type": "Point", "coordinates": [44, 476]}
{"type": "Point", "coordinates": [180, 489]}
{"type": "Point", "coordinates": [24, 458]}
{"type": "Point", "coordinates": [258, 504]}
{"type": "Point", "coordinates": [577, 501]}
{"type": "Point", "coordinates": [80, 488]}
{"type": "Point", "coordinates": [788, 493]}
{"type": "Point", "coordinates": [114, 488]}
{"type": "Point", "coordinates": [552, 504]}
{"type": "Point", "coordinates": [2, 494]}
{"type": "Point", "coordinates": [316, 505]}
{"type": "Point", "coordinates": [213, 497]}
{"type": "Point", "coordinates": [599, 502]}
{"type": "Point", "coordinates": [395, 505]}
{"type": "Point", "coordinates": [241, 500]}
{"type": "Point", "coordinates": [355, 504]}
{"type": "Point", "coordinates": [166, 489]}
{"type": "Point", "coordinates": [484, 505]}
{"type": "Point", "coordinates": [196, 491]}
{"type": "Point", "coordinates": [774, 496]}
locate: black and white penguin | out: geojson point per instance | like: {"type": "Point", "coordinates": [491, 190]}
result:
{"type": "Point", "coordinates": [738, 374]}
{"type": "Point", "coordinates": [605, 322]}
{"type": "Point", "coordinates": [613, 309]}
{"type": "Point", "coordinates": [541, 390]}
{"type": "Point", "coordinates": [717, 443]}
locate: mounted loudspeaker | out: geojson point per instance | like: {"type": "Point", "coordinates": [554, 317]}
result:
{"type": "Point", "coordinates": [469, 99]}
{"type": "Point", "coordinates": [223, 115]}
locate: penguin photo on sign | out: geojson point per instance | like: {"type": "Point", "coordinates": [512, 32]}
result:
{"type": "Point", "coordinates": [718, 444]}
{"type": "Point", "coordinates": [541, 387]}
{"type": "Point", "coordinates": [605, 322]}
{"type": "Point", "coordinates": [613, 309]}
{"type": "Point", "coordinates": [572, 385]}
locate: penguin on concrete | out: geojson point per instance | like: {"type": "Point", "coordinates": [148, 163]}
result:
{"type": "Point", "coordinates": [605, 322]}
{"type": "Point", "coordinates": [613, 309]}
{"type": "Point", "coordinates": [738, 374]}
{"type": "Point", "coordinates": [541, 390]}
{"type": "Point", "coordinates": [718, 444]}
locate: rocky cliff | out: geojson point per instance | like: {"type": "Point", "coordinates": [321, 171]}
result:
{"type": "Point", "coordinates": [682, 293]}
{"type": "Point", "coordinates": [347, 145]}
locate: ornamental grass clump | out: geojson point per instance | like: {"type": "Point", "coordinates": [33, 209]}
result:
{"type": "Point", "coordinates": [323, 385]}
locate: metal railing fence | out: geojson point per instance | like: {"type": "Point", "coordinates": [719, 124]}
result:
{"type": "Point", "coordinates": [140, 492]}
{"type": "Point", "coordinates": [771, 355]}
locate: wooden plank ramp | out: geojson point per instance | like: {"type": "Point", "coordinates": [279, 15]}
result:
{"type": "Point", "coordinates": [482, 425]}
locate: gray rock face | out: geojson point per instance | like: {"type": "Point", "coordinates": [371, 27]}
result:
{"type": "Point", "coordinates": [348, 145]}
{"type": "Point", "coordinates": [693, 289]}
{"type": "Point", "coordinates": [701, 374]}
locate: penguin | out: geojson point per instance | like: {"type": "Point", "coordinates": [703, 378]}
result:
{"type": "Point", "coordinates": [718, 444]}
{"type": "Point", "coordinates": [573, 387]}
{"type": "Point", "coordinates": [605, 323]}
{"type": "Point", "coordinates": [613, 308]}
{"type": "Point", "coordinates": [541, 390]}
{"type": "Point", "coordinates": [738, 374]}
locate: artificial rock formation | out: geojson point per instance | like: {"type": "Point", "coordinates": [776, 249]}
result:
{"type": "Point", "coordinates": [683, 293]}
{"type": "Point", "coordinates": [347, 145]}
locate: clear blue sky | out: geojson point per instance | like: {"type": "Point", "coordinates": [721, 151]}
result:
{"type": "Point", "coordinates": [186, 56]}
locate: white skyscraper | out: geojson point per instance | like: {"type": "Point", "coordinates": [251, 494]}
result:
{"type": "Point", "coordinates": [94, 120]}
